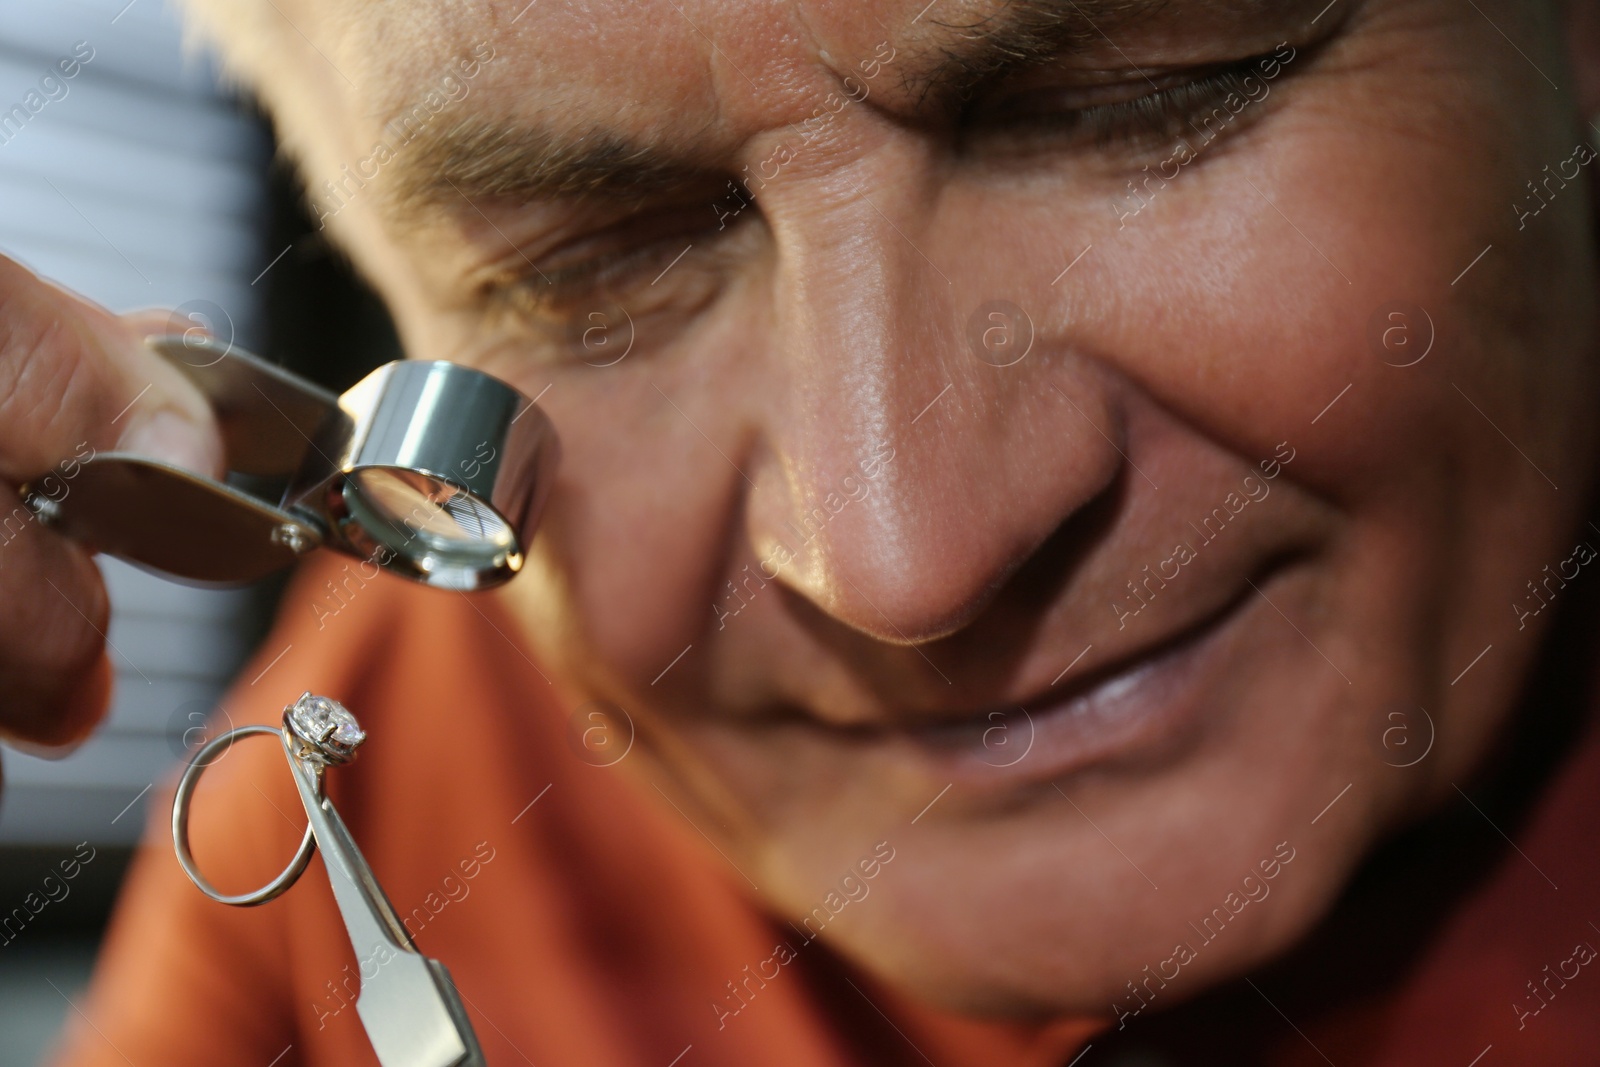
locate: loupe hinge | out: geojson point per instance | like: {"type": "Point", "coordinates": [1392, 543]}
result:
{"type": "Point", "coordinates": [293, 536]}
{"type": "Point", "coordinates": [44, 508]}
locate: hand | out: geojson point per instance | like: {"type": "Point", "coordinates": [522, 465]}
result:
{"type": "Point", "coordinates": [75, 381]}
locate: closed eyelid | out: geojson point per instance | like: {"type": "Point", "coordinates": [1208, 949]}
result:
{"type": "Point", "coordinates": [666, 285]}
{"type": "Point", "coordinates": [983, 50]}
{"type": "Point", "coordinates": [1163, 114]}
{"type": "Point", "coordinates": [614, 256]}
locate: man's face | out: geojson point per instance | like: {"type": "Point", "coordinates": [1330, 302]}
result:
{"type": "Point", "coordinates": [1062, 441]}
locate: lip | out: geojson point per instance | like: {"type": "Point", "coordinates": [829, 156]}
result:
{"type": "Point", "coordinates": [1142, 706]}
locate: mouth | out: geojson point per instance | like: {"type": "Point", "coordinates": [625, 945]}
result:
{"type": "Point", "coordinates": [1144, 706]}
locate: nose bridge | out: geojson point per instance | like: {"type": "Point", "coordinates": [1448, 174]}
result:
{"type": "Point", "coordinates": [853, 303]}
{"type": "Point", "coordinates": [844, 329]}
{"type": "Point", "coordinates": [902, 479]}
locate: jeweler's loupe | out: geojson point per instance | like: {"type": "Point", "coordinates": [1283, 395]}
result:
{"type": "Point", "coordinates": [431, 470]}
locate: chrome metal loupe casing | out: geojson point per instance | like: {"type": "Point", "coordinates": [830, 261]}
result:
{"type": "Point", "coordinates": [431, 470]}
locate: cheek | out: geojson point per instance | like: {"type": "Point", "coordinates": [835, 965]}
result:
{"type": "Point", "coordinates": [631, 552]}
{"type": "Point", "coordinates": [1211, 300]}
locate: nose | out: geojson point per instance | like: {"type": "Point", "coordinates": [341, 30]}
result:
{"type": "Point", "coordinates": [915, 461]}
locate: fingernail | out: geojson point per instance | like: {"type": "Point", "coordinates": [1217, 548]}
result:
{"type": "Point", "coordinates": [165, 435]}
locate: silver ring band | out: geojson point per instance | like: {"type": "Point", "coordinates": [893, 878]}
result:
{"type": "Point", "coordinates": [180, 826]}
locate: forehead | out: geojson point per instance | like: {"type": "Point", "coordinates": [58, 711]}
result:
{"type": "Point", "coordinates": [532, 99]}
{"type": "Point", "coordinates": [661, 59]}
{"type": "Point", "coordinates": [682, 63]}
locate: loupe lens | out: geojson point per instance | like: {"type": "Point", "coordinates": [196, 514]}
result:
{"type": "Point", "coordinates": [426, 507]}
{"type": "Point", "coordinates": [434, 530]}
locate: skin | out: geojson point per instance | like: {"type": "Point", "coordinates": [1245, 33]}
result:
{"type": "Point", "coordinates": [1193, 341]}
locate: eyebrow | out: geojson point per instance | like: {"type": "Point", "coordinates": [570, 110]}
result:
{"type": "Point", "coordinates": [475, 158]}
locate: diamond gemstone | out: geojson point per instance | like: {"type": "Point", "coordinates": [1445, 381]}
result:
{"type": "Point", "coordinates": [327, 724]}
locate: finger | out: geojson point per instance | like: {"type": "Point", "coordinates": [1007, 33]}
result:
{"type": "Point", "coordinates": [74, 375]}
{"type": "Point", "coordinates": [54, 678]}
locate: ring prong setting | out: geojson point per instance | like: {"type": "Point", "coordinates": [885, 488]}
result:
{"type": "Point", "coordinates": [325, 727]}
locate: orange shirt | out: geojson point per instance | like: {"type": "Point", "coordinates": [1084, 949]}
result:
{"type": "Point", "coordinates": [593, 928]}
{"type": "Point", "coordinates": [597, 928]}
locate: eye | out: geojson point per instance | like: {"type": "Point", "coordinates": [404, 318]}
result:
{"type": "Point", "coordinates": [603, 264]}
{"type": "Point", "coordinates": [656, 270]}
{"type": "Point", "coordinates": [1138, 113]}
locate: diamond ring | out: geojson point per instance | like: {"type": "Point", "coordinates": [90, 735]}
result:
{"type": "Point", "coordinates": [317, 733]}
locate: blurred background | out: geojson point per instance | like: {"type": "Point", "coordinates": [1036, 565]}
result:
{"type": "Point", "coordinates": [142, 181]}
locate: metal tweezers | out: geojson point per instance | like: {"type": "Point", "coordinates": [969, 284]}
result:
{"type": "Point", "coordinates": [410, 1008]}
